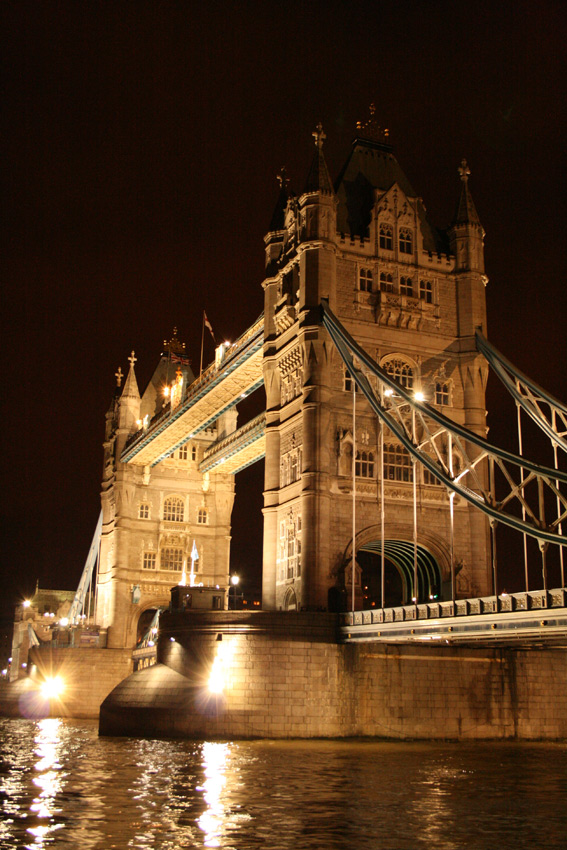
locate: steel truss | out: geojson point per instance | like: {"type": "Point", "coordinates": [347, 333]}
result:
{"type": "Point", "coordinates": [547, 412]}
{"type": "Point", "coordinates": [462, 460]}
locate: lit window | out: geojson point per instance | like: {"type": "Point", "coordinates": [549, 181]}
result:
{"type": "Point", "coordinates": [290, 548]}
{"type": "Point", "coordinates": [144, 511]}
{"type": "Point", "coordinates": [386, 282]}
{"type": "Point", "coordinates": [349, 383]}
{"type": "Point", "coordinates": [386, 237]}
{"type": "Point", "coordinates": [365, 280]}
{"type": "Point", "coordinates": [364, 465]}
{"type": "Point", "coordinates": [442, 393]}
{"type": "Point", "coordinates": [426, 291]}
{"type": "Point", "coordinates": [400, 371]}
{"type": "Point", "coordinates": [406, 286]}
{"type": "Point", "coordinates": [183, 452]}
{"type": "Point", "coordinates": [172, 559]}
{"type": "Point", "coordinates": [203, 516]}
{"type": "Point", "coordinates": [173, 510]}
{"type": "Point", "coordinates": [193, 452]}
{"type": "Point", "coordinates": [406, 241]}
{"type": "Point", "coordinates": [149, 561]}
{"type": "Point", "coordinates": [397, 463]}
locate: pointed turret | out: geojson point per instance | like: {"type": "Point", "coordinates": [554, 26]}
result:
{"type": "Point", "coordinates": [131, 386]}
{"type": "Point", "coordinates": [277, 222]}
{"type": "Point", "coordinates": [466, 232]}
{"type": "Point", "coordinates": [318, 179]}
{"type": "Point", "coordinates": [466, 211]}
{"type": "Point", "coordinates": [129, 405]}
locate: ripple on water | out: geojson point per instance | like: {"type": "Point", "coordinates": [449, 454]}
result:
{"type": "Point", "coordinates": [62, 786]}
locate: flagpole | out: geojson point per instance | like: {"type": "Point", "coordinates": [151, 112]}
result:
{"type": "Point", "coordinates": [202, 344]}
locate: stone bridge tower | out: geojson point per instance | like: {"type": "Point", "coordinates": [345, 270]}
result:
{"type": "Point", "coordinates": [413, 297]}
{"type": "Point", "coordinates": [152, 516]}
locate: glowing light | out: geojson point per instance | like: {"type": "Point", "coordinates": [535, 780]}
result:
{"type": "Point", "coordinates": [53, 686]}
{"type": "Point", "coordinates": [216, 679]}
{"type": "Point", "coordinates": [419, 396]}
{"type": "Point", "coordinates": [388, 393]}
{"type": "Point", "coordinates": [24, 665]}
{"type": "Point", "coordinates": [26, 603]}
{"type": "Point", "coordinates": [172, 640]}
{"type": "Point", "coordinates": [166, 391]}
{"type": "Point", "coordinates": [64, 621]}
{"type": "Point", "coordinates": [234, 580]}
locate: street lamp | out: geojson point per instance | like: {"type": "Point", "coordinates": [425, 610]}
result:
{"type": "Point", "coordinates": [234, 579]}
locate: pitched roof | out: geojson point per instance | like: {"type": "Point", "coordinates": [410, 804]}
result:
{"type": "Point", "coordinates": [372, 165]}
{"type": "Point", "coordinates": [131, 386]}
{"type": "Point", "coordinates": [466, 211]}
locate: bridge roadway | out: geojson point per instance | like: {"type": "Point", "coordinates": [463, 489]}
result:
{"type": "Point", "coordinates": [517, 619]}
{"type": "Point", "coordinates": [219, 388]}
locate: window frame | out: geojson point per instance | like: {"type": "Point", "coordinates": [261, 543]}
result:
{"type": "Point", "coordinates": [177, 515]}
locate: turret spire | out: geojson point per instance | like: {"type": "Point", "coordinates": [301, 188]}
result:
{"type": "Point", "coordinates": [318, 179]}
{"type": "Point", "coordinates": [131, 386]}
{"type": "Point", "coordinates": [466, 211]}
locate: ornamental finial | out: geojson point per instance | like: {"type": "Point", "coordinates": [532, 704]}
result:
{"type": "Point", "coordinates": [370, 129]}
{"type": "Point", "coordinates": [282, 177]}
{"type": "Point", "coordinates": [319, 136]}
{"type": "Point", "coordinates": [464, 171]}
{"type": "Point", "coordinates": [118, 375]}
{"type": "Point", "coordinates": [132, 360]}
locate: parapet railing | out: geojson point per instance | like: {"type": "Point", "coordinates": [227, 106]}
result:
{"type": "Point", "coordinates": [505, 603]}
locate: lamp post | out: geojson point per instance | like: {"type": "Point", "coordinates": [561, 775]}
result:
{"type": "Point", "coordinates": [234, 579]}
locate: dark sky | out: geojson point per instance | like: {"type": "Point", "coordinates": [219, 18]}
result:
{"type": "Point", "coordinates": [140, 149]}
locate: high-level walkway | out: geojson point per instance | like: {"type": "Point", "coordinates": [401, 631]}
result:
{"type": "Point", "coordinates": [220, 387]}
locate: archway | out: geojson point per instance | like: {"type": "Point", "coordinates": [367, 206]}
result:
{"type": "Point", "coordinates": [290, 600]}
{"type": "Point", "coordinates": [398, 573]}
{"type": "Point", "coordinates": [144, 622]}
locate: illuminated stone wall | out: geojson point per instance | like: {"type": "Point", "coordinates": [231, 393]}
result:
{"type": "Point", "coordinates": [284, 676]}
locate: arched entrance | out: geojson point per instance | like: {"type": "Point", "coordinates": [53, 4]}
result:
{"type": "Point", "coordinates": [290, 600]}
{"type": "Point", "coordinates": [144, 623]}
{"type": "Point", "coordinates": [398, 573]}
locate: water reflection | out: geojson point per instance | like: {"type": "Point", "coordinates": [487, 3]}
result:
{"type": "Point", "coordinates": [62, 786]}
{"type": "Point", "coordinates": [49, 780]}
{"type": "Point", "coordinates": [214, 763]}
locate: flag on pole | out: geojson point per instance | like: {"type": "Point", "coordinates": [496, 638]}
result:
{"type": "Point", "coordinates": [209, 326]}
{"type": "Point", "coordinates": [194, 557]}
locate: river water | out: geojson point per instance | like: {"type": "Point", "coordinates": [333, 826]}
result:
{"type": "Point", "coordinates": [63, 786]}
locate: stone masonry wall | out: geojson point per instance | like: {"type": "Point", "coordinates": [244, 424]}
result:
{"type": "Point", "coordinates": [284, 676]}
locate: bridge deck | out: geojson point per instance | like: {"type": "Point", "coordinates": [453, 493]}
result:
{"type": "Point", "coordinates": [533, 618]}
{"type": "Point", "coordinates": [240, 449]}
{"type": "Point", "coordinates": [218, 389]}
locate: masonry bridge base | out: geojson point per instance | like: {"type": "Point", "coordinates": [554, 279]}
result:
{"type": "Point", "coordinates": [285, 675]}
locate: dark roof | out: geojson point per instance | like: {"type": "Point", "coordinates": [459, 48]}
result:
{"type": "Point", "coordinates": [370, 166]}
{"type": "Point", "coordinates": [319, 179]}
{"type": "Point", "coordinates": [466, 211]}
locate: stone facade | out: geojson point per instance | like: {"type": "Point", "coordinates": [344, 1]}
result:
{"type": "Point", "coordinates": [412, 297]}
{"type": "Point", "coordinates": [285, 676]}
{"type": "Point", "coordinates": [152, 516]}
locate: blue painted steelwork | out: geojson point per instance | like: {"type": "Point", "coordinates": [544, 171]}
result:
{"type": "Point", "coordinates": [244, 348]}
{"type": "Point", "coordinates": [512, 378]}
{"type": "Point", "coordinates": [348, 348]}
{"type": "Point", "coordinates": [401, 553]}
{"type": "Point", "coordinates": [235, 443]}
{"type": "Point", "coordinates": [78, 603]}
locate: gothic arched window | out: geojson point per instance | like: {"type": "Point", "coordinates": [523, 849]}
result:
{"type": "Point", "coordinates": [406, 241]}
{"type": "Point", "coordinates": [386, 282]}
{"type": "Point", "coordinates": [173, 510]}
{"type": "Point", "coordinates": [386, 237]}
{"type": "Point", "coordinates": [400, 370]}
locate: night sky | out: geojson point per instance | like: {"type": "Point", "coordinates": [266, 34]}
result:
{"type": "Point", "coordinates": [141, 146]}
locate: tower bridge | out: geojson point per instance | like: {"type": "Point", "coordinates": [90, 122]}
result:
{"type": "Point", "coordinates": [380, 487]}
{"type": "Point", "coordinates": [382, 494]}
